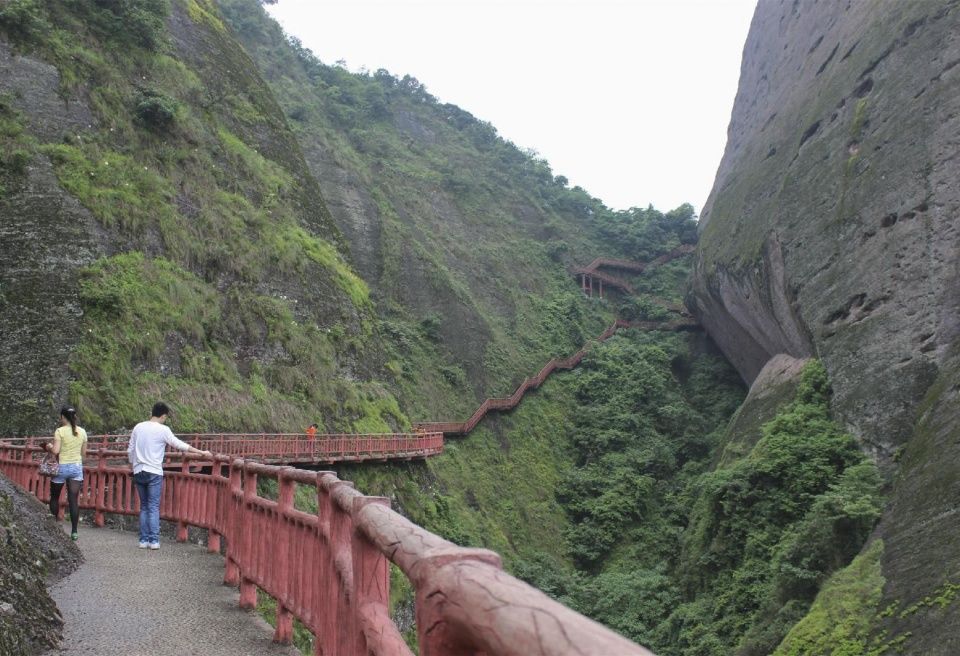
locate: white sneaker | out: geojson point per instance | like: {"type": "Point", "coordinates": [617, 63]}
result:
{"type": "Point", "coordinates": [143, 545]}
{"type": "Point", "coordinates": [154, 545]}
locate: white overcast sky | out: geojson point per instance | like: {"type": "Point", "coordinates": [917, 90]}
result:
{"type": "Point", "coordinates": [630, 99]}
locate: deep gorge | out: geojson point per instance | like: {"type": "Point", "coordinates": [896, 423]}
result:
{"type": "Point", "coordinates": [211, 215]}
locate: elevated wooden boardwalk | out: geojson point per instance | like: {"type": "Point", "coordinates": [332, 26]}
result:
{"type": "Point", "coordinates": [588, 274]}
{"type": "Point", "coordinates": [292, 448]}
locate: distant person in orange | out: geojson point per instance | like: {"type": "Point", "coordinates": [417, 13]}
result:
{"type": "Point", "coordinates": [312, 432]}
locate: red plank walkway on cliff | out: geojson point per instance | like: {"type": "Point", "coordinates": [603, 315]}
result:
{"type": "Point", "coordinates": [328, 568]}
{"type": "Point", "coordinates": [592, 271]}
{"type": "Point", "coordinates": [293, 448]}
{"type": "Point", "coordinates": [508, 403]}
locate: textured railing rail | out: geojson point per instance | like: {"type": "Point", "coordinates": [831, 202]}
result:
{"type": "Point", "coordinates": [329, 569]}
{"type": "Point", "coordinates": [293, 448]}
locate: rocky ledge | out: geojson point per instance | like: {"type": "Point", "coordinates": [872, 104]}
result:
{"type": "Point", "coordinates": [34, 552]}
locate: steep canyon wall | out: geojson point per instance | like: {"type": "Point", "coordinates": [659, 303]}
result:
{"type": "Point", "coordinates": [831, 231]}
{"type": "Point", "coordinates": [831, 226]}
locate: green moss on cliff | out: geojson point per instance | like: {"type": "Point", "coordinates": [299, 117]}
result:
{"type": "Point", "coordinates": [154, 330]}
{"type": "Point", "coordinates": [17, 148]}
{"type": "Point", "coordinates": [120, 191]}
{"type": "Point", "coordinates": [841, 618]}
{"type": "Point", "coordinates": [245, 313]}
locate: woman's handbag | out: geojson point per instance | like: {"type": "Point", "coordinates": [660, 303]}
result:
{"type": "Point", "coordinates": [50, 465]}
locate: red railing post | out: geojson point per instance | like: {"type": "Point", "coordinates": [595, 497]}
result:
{"type": "Point", "coordinates": [179, 501]}
{"type": "Point", "coordinates": [248, 589]}
{"type": "Point", "coordinates": [340, 618]}
{"type": "Point", "coordinates": [99, 479]}
{"type": "Point", "coordinates": [371, 581]}
{"type": "Point", "coordinates": [222, 492]}
{"type": "Point", "coordinates": [284, 629]}
{"type": "Point", "coordinates": [234, 501]}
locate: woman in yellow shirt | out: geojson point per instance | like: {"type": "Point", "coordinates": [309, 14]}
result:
{"type": "Point", "coordinates": [70, 444]}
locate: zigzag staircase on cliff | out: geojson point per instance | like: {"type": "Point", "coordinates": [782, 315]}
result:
{"type": "Point", "coordinates": [505, 404]}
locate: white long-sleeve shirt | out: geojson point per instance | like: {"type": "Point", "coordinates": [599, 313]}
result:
{"type": "Point", "coordinates": [148, 444]}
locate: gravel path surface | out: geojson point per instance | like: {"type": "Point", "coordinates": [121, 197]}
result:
{"type": "Point", "coordinates": [138, 602]}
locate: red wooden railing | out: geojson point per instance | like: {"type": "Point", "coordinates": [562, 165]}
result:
{"type": "Point", "coordinates": [329, 569]}
{"type": "Point", "coordinates": [293, 448]}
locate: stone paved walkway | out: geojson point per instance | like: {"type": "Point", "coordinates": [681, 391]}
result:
{"type": "Point", "coordinates": [137, 602]}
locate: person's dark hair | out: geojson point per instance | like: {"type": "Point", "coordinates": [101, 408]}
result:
{"type": "Point", "coordinates": [313, 425]}
{"type": "Point", "coordinates": [160, 409]}
{"type": "Point", "coordinates": [70, 415]}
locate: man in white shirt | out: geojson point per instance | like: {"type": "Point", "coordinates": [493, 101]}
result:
{"type": "Point", "coordinates": [148, 443]}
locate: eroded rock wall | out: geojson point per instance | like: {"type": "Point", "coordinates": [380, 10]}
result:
{"type": "Point", "coordinates": [832, 226]}
{"type": "Point", "coordinates": [46, 236]}
{"type": "Point", "coordinates": [831, 231]}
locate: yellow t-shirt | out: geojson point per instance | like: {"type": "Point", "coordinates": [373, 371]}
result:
{"type": "Point", "coordinates": [70, 444]}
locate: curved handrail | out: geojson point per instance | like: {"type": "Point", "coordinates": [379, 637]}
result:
{"type": "Point", "coordinates": [329, 569]}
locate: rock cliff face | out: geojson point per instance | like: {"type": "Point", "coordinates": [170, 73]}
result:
{"type": "Point", "coordinates": [143, 156]}
{"type": "Point", "coordinates": [832, 225]}
{"type": "Point", "coordinates": [47, 237]}
{"type": "Point", "coordinates": [831, 231]}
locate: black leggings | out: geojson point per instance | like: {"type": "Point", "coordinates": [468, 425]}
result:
{"type": "Point", "coordinates": [73, 500]}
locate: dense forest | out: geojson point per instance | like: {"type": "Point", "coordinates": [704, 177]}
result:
{"type": "Point", "coordinates": [277, 241]}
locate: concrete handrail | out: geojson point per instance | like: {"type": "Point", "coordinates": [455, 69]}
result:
{"type": "Point", "coordinates": [329, 569]}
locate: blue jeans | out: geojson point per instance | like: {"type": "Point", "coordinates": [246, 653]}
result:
{"type": "Point", "coordinates": [149, 487]}
{"type": "Point", "coordinates": [71, 472]}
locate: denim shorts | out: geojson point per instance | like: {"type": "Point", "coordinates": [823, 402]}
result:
{"type": "Point", "coordinates": [71, 472]}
